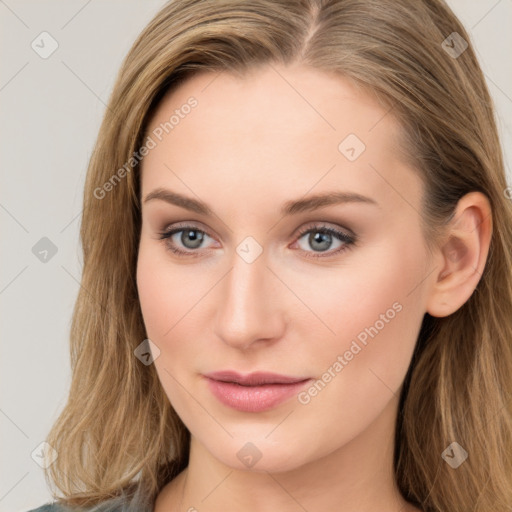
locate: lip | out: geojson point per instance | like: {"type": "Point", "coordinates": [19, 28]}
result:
{"type": "Point", "coordinates": [254, 392]}
{"type": "Point", "coordinates": [254, 378]}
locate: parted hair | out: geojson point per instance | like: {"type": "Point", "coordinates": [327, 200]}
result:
{"type": "Point", "coordinates": [118, 439]}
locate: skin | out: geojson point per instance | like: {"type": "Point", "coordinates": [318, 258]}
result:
{"type": "Point", "coordinates": [250, 145]}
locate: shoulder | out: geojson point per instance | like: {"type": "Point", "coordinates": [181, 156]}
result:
{"type": "Point", "coordinates": [50, 507]}
{"type": "Point", "coordinates": [56, 507]}
{"type": "Point", "coordinates": [113, 505]}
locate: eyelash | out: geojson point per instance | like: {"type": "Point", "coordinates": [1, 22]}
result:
{"type": "Point", "coordinates": [348, 240]}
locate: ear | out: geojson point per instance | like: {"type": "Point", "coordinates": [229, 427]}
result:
{"type": "Point", "coordinates": [463, 254]}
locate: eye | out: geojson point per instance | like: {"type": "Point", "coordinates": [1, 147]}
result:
{"type": "Point", "coordinates": [191, 238]}
{"type": "Point", "coordinates": [320, 239]}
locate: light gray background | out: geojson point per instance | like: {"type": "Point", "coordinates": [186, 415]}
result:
{"type": "Point", "coordinates": [51, 112]}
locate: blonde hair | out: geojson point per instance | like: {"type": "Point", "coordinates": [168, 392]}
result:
{"type": "Point", "coordinates": [118, 439]}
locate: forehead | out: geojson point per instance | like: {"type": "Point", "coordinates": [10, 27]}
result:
{"type": "Point", "coordinates": [291, 128]}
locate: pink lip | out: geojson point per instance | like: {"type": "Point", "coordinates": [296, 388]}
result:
{"type": "Point", "coordinates": [254, 392]}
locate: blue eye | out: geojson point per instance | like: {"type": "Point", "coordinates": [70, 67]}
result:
{"type": "Point", "coordinates": [195, 235]}
{"type": "Point", "coordinates": [320, 236]}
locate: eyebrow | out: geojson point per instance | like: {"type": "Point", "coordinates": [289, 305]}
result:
{"type": "Point", "coordinates": [291, 207]}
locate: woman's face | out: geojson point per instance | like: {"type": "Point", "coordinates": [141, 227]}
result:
{"type": "Point", "coordinates": [262, 287]}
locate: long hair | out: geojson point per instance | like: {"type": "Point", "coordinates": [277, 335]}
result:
{"type": "Point", "coordinates": [118, 439]}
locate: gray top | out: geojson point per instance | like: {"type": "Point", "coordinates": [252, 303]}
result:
{"type": "Point", "coordinates": [124, 503]}
{"type": "Point", "coordinates": [55, 507]}
{"type": "Point", "coordinates": [50, 507]}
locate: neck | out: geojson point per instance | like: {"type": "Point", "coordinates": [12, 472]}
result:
{"type": "Point", "coordinates": [357, 477]}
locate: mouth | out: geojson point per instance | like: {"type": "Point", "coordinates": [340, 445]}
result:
{"type": "Point", "coordinates": [255, 392]}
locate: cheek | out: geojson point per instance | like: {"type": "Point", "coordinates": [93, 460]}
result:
{"type": "Point", "coordinates": [376, 321]}
{"type": "Point", "coordinates": [161, 296]}
{"type": "Point", "coordinates": [163, 291]}
{"type": "Point", "coordinates": [169, 296]}
{"type": "Point", "coordinates": [150, 291]}
{"type": "Point", "coordinates": [374, 309]}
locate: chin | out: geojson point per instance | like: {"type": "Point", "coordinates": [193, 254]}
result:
{"type": "Point", "coordinates": [260, 455]}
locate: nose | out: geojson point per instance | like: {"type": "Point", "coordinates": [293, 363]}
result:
{"type": "Point", "coordinates": [249, 307]}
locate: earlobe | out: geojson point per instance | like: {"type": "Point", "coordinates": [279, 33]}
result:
{"type": "Point", "coordinates": [462, 255]}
